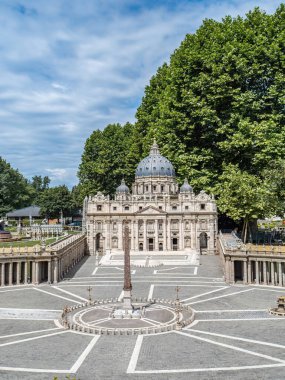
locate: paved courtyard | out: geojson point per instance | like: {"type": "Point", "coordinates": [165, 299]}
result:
{"type": "Point", "coordinates": [233, 336]}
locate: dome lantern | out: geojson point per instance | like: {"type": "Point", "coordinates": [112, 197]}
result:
{"type": "Point", "coordinates": [186, 188]}
{"type": "Point", "coordinates": [123, 188]}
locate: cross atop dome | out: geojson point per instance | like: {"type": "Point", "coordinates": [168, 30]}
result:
{"type": "Point", "coordinates": [154, 148]}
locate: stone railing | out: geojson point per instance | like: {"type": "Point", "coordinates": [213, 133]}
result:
{"type": "Point", "coordinates": [67, 322]}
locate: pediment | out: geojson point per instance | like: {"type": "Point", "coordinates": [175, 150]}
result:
{"type": "Point", "coordinates": [150, 210]}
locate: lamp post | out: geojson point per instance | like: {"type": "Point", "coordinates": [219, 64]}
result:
{"type": "Point", "coordinates": [89, 289]}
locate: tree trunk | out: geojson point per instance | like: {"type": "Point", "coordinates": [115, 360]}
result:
{"type": "Point", "coordinates": [245, 230]}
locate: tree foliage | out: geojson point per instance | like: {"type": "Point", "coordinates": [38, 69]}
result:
{"type": "Point", "coordinates": [105, 159]}
{"type": "Point", "coordinates": [15, 191]}
{"type": "Point", "coordinates": [217, 111]}
{"type": "Point", "coordinates": [55, 200]}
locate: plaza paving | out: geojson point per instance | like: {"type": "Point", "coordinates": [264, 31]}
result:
{"type": "Point", "coordinates": [233, 336]}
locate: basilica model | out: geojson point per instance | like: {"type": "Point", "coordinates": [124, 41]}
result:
{"type": "Point", "coordinates": [161, 217]}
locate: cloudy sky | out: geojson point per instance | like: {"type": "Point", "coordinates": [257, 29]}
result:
{"type": "Point", "coordinates": [69, 67]}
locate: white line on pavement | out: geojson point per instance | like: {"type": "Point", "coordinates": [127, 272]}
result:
{"type": "Point", "coordinates": [84, 354]}
{"type": "Point", "coordinates": [55, 295]}
{"type": "Point", "coordinates": [71, 294]}
{"type": "Point", "coordinates": [30, 332]}
{"type": "Point", "coordinates": [33, 338]}
{"type": "Point", "coordinates": [33, 370]}
{"type": "Point", "coordinates": [94, 272]}
{"type": "Point", "coordinates": [235, 348]}
{"type": "Point", "coordinates": [225, 295]}
{"type": "Point", "coordinates": [135, 355]}
{"type": "Point", "coordinates": [241, 319]}
{"type": "Point", "coordinates": [150, 293]}
{"type": "Point", "coordinates": [228, 311]}
{"type": "Point", "coordinates": [210, 369]}
{"type": "Point", "coordinates": [263, 343]}
{"type": "Point", "coordinates": [204, 294]}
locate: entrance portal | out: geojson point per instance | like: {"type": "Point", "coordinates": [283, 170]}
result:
{"type": "Point", "coordinates": [150, 244]}
{"type": "Point", "coordinates": [99, 244]}
{"type": "Point", "coordinates": [174, 244]}
{"type": "Point", "coordinates": [203, 241]}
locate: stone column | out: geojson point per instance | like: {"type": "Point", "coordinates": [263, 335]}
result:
{"type": "Point", "coordinates": [18, 275]}
{"type": "Point", "coordinates": [264, 273]}
{"type": "Point", "coordinates": [49, 271]}
{"type": "Point", "coordinates": [257, 272]}
{"type": "Point", "coordinates": [169, 234]}
{"type": "Point", "coordinates": [249, 275]}
{"type": "Point", "coordinates": [211, 239]}
{"type": "Point", "coordinates": [10, 273]}
{"type": "Point", "coordinates": [156, 235]}
{"type": "Point", "coordinates": [227, 269]}
{"type": "Point", "coordinates": [120, 235]}
{"type": "Point", "coordinates": [26, 272]}
{"type": "Point", "coordinates": [164, 234]}
{"type": "Point", "coordinates": [55, 271]}
{"type": "Point", "coordinates": [272, 273]}
{"type": "Point", "coordinates": [181, 238]}
{"type": "Point", "coordinates": [245, 272]}
{"type": "Point", "coordinates": [36, 280]}
{"type": "Point", "coordinates": [232, 272]}
{"type": "Point", "coordinates": [145, 235]}
{"type": "Point", "coordinates": [136, 235]}
{"type": "Point", "coordinates": [2, 274]}
{"type": "Point", "coordinates": [193, 234]}
{"type": "Point", "coordinates": [280, 273]}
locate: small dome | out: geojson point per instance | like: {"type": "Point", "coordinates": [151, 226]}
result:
{"type": "Point", "coordinates": [123, 188]}
{"type": "Point", "coordinates": [155, 165]}
{"type": "Point", "coordinates": [186, 188]}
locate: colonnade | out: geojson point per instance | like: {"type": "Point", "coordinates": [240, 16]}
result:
{"type": "Point", "coordinates": [151, 234]}
{"type": "Point", "coordinates": [49, 265]}
{"type": "Point", "coordinates": [264, 271]}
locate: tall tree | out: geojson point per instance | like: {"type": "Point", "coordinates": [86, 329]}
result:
{"type": "Point", "coordinates": [15, 191]}
{"type": "Point", "coordinates": [104, 160]}
{"type": "Point", "coordinates": [216, 108]}
{"type": "Point", "coordinates": [54, 201]}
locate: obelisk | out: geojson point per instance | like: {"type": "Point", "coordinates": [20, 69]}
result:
{"type": "Point", "coordinates": [127, 300]}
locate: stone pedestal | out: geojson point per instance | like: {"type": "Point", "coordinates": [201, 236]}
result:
{"type": "Point", "coordinates": [127, 300]}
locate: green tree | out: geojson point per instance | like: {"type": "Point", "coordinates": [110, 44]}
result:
{"type": "Point", "coordinates": [105, 159]}
{"type": "Point", "coordinates": [15, 191]}
{"type": "Point", "coordinates": [55, 200]}
{"type": "Point", "coordinates": [216, 108]}
{"type": "Point", "coordinates": [244, 196]}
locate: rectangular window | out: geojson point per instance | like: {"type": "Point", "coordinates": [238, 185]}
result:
{"type": "Point", "coordinates": [186, 207]}
{"type": "Point", "coordinates": [140, 208]}
{"type": "Point", "coordinates": [160, 207]}
{"type": "Point", "coordinates": [114, 208]}
{"type": "Point", "coordinates": [174, 207]}
{"type": "Point", "coordinates": [154, 188]}
{"type": "Point", "coordinates": [99, 208]}
{"type": "Point", "coordinates": [162, 188]}
{"type": "Point", "coordinates": [127, 208]}
{"type": "Point", "coordinates": [202, 206]}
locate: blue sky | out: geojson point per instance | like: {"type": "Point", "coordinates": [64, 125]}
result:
{"type": "Point", "coordinates": [69, 67]}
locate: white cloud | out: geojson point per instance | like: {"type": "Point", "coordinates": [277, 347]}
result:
{"type": "Point", "coordinates": [68, 68]}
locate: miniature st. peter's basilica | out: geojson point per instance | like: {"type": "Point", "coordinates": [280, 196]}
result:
{"type": "Point", "coordinates": [161, 217]}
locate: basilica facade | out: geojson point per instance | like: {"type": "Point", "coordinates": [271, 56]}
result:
{"type": "Point", "coordinates": [160, 215]}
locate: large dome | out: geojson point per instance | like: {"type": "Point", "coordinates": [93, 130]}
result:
{"type": "Point", "coordinates": [155, 165]}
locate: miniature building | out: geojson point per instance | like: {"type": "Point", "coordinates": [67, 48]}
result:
{"type": "Point", "coordinates": [161, 216]}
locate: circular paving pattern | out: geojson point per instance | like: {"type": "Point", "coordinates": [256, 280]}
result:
{"type": "Point", "coordinates": [108, 317]}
